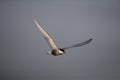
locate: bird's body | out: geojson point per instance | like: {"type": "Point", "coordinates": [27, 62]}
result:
{"type": "Point", "coordinates": [56, 52]}
{"type": "Point", "coordinates": [54, 49]}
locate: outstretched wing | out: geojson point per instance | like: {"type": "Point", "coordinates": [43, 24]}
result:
{"type": "Point", "coordinates": [49, 39]}
{"type": "Point", "coordinates": [78, 45]}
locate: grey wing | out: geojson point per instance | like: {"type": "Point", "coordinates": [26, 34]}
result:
{"type": "Point", "coordinates": [46, 36]}
{"type": "Point", "coordinates": [78, 45]}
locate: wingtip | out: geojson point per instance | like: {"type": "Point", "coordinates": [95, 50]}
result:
{"type": "Point", "coordinates": [90, 39]}
{"type": "Point", "coordinates": [34, 20]}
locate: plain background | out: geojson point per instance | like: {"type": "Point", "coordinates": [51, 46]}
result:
{"type": "Point", "coordinates": [23, 49]}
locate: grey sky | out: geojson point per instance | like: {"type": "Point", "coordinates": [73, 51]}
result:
{"type": "Point", "coordinates": [23, 49]}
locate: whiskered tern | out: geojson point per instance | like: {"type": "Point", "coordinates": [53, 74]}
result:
{"type": "Point", "coordinates": [54, 49]}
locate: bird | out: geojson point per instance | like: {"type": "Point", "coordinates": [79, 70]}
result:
{"type": "Point", "coordinates": [55, 51]}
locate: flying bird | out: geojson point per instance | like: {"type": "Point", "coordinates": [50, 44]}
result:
{"type": "Point", "coordinates": [54, 49]}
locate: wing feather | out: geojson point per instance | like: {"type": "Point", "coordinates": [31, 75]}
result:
{"type": "Point", "coordinates": [47, 37]}
{"type": "Point", "coordinates": [78, 45]}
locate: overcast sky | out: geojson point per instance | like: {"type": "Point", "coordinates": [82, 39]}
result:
{"type": "Point", "coordinates": [23, 49]}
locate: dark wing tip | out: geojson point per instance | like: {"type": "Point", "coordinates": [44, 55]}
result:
{"type": "Point", "coordinates": [90, 39]}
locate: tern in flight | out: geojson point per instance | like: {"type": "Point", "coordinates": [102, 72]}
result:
{"type": "Point", "coordinates": [54, 49]}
